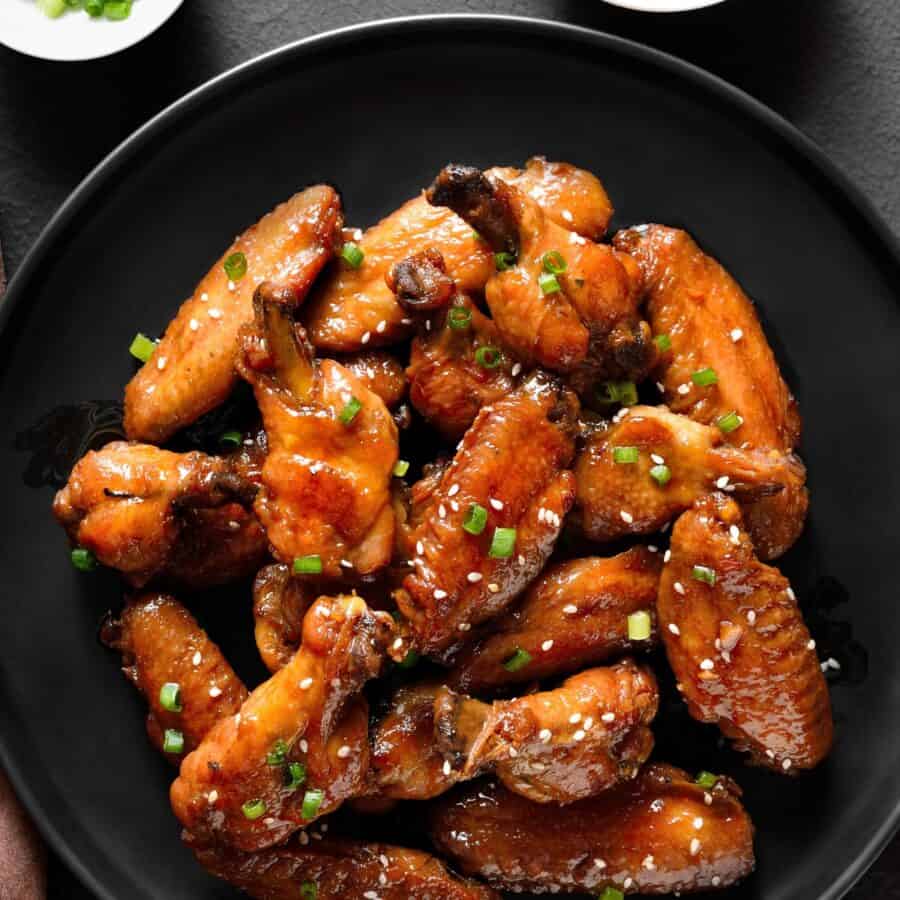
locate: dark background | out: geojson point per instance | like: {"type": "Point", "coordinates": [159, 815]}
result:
{"type": "Point", "coordinates": [830, 66]}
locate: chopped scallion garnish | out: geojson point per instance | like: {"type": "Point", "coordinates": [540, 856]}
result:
{"type": "Point", "coordinates": [401, 467]}
{"type": "Point", "coordinates": [703, 573]}
{"type": "Point", "coordinates": [517, 661]}
{"type": "Point", "coordinates": [503, 543]}
{"type": "Point", "coordinates": [549, 284]}
{"type": "Point", "coordinates": [278, 754]}
{"type": "Point", "coordinates": [83, 560]}
{"type": "Point", "coordinates": [349, 412]}
{"type": "Point", "coordinates": [253, 809]}
{"type": "Point", "coordinates": [409, 661]}
{"type": "Point", "coordinates": [476, 519]}
{"type": "Point", "coordinates": [352, 254]}
{"type": "Point", "coordinates": [170, 696]}
{"type": "Point", "coordinates": [142, 347]}
{"type": "Point", "coordinates": [459, 318]}
{"type": "Point", "coordinates": [231, 439]}
{"type": "Point", "coordinates": [488, 357]}
{"type": "Point", "coordinates": [611, 893]}
{"type": "Point", "coordinates": [705, 377]}
{"type": "Point", "coordinates": [663, 342]}
{"type": "Point", "coordinates": [294, 776]}
{"type": "Point", "coordinates": [504, 260]}
{"type": "Point", "coordinates": [639, 626]}
{"type": "Point", "coordinates": [312, 800]}
{"type": "Point", "coordinates": [624, 392]}
{"type": "Point", "coordinates": [661, 475]}
{"type": "Point", "coordinates": [235, 266]}
{"type": "Point", "coordinates": [626, 454]}
{"type": "Point", "coordinates": [173, 741]}
{"type": "Point", "coordinates": [309, 891]}
{"type": "Point", "coordinates": [729, 422]}
{"type": "Point", "coordinates": [707, 780]}
{"type": "Point", "coordinates": [554, 262]}
{"type": "Point", "coordinates": [308, 565]}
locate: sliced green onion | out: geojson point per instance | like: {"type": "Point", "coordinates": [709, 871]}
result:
{"type": "Point", "coordinates": [312, 800]}
{"type": "Point", "coordinates": [504, 260]}
{"type": "Point", "coordinates": [503, 543]}
{"type": "Point", "coordinates": [554, 262]}
{"type": "Point", "coordinates": [309, 891]}
{"type": "Point", "coordinates": [410, 660]}
{"type": "Point", "coordinates": [173, 741]}
{"type": "Point", "coordinates": [117, 10]}
{"type": "Point", "coordinates": [703, 573]}
{"type": "Point", "coordinates": [626, 454]}
{"type": "Point", "coordinates": [548, 283]}
{"type": "Point", "coordinates": [476, 519]}
{"type": "Point", "coordinates": [253, 809]}
{"type": "Point", "coordinates": [639, 626]}
{"type": "Point", "coordinates": [627, 392]}
{"type": "Point", "coordinates": [294, 776]}
{"type": "Point", "coordinates": [142, 347]}
{"type": "Point", "coordinates": [401, 467]}
{"type": "Point", "coordinates": [663, 342]}
{"type": "Point", "coordinates": [705, 377]}
{"type": "Point", "coordinates": [83, 560]}
{"type": "Point", "coordinates": [611, 893]}
{"type": "Point", "coordinates": [277, 756]}
{"type": "Point", "coordinates": [661, 475]}
{"type": "Point", "coordinates": [517, 661]}
{"type": "Point", "coordinates": [170, 696]}
{"type": "Point", "coordinates": [349, 412]}
{"type": "Point", "coordinates": [459, 318]}
{"type": "Point", "coordinates": [488, 357]}
{"type": "Point", "coordinates": [308, 565]}
{"type": "Point", "coordinates": [707, 780]}
{"type": "Point", "coordinates": [231, 439]}
{"type": "Point", "coordinates": [235, 266]}
{"type": "Point", "coordinates": [729, 422]}
{"type": "Point", "coordinates": [352, 254]}
{"type": "Point", "coordinates": [93, 8]}
{"type": "Point", "coordinates": [476, 236]}
{"type": "Point", "coordinates": [52, 8]}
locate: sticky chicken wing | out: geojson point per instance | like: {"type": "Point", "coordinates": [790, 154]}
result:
{"type": "Point", "coordinates": [483, 530]}
{"type": "Point", "coordinates": [280, 604]}
{"type": "Point", "coordinates": [560, 301]}
{"type": "Point", "coordinates": [574, 615]}
{"type": "Point", "coordinates": [380, 372]}
{"type": "Point", "coordinates": [353, 308]}
{"type": "Point", "coordinates": [299, 745]}
{"type": "Point", "coordinates": [644, 469]}
{"type": "Point", "coordinates": [332, 447]}
{"type": "Point", "coordinates": [162, 644]}
{"type": "Point", "coordinates": [192, 369]}
{"type": "Point", "coordinates": [152, 514]}
{"type": "Point", "coordinates": [658, 834]}
{"type": "Point", "coordinates": [738, 645]}
{"type": "Point", "coordinates": [712, 324]}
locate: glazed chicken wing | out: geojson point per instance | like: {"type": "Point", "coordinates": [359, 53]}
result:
{"type": "Point", "coordinates": [152, 514]}
{"type": "Point", "coordinates": [712, 324]}
{"type": "Point", "coordinates": [162, 644]}
{"type": "Point", "coordinates": [559, 301]}
{"type": "Point", "coordinates": [380, 372]}
{"type": "Point", "coordinates": [280, 603]}
{"type": "Point", "coordinates": [299, 745]}
{"type": "Point", "coordinates": [658, 834]}
{"type": "Point", "coordinates": [483, 530]}
{"type": "Point", "coordinates": [192, 369]}
{"type": "Point", "coordinates": [737, 643]}
{"type": "Point", "coordinates": [332, 447]}
{"type": "Point", "coordinates": [574, 615]}
{"type": "Point", "coordinates": [650, 465]}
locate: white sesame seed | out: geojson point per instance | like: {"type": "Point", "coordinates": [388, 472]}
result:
{"type": "Point", "coordinates": [545, 735]}
{"type": "Point", "coordinates": [567, 215]}
{"type": "Point", "coordinates": [439, 594]}
{"type": "Point", "coordinates": [674, 629]}
{"type": "Point", "coordinates": [474, 577]}
{"type": "Point", "coordinates": [371, 895]}
{"type": "Point", "coordinates": [736, 334]}
{"type": "Point", "coordinates": [707, 665]}
{"type": "Point", "coordinates": [214, 313]}
{"type": "Point", "coordinates": [627, 517]}
{"type": "Point", "coordinates": [648, 863]}
{"type": "Point", "coordinates": [383, 860]}
{"type": "Point", "coordinates": [684, 389]}
{"type": "Point", "coordinates": [578, 736]}
{"type": "Point", "coordinates": [304, 838]}
{"type": "Point", "coordinates": [786, 765]}
{"type": "Point", "coordinates": [716, 880]}
{"type": "Point", "coordinates": [161, 363]}
{"type": "Point", "coordinates": [659, 460]}
{"type": "Point", "coordinates": [707, 798]}
{"type": "Point", "coordinates": [454, 506]}
{"type": "Point", "coordinates": [365, 337]}
{"type": "Point", "coordinates": [496, 504]}
{"type": "Point", "coordinates": [722, 482]}
{"type": "Point", "coordinates": [695, 846]}
{"type": "Point", "coordinates": [304, 746]}
{"type": "Point", "coordinates": [381, 326]}
{"type": "Point", "coordinates": [665, 527]}
{"type": "Point", "coordinates": [215, 692]}
{"type": "Point", "coordinates": [212, 796]}
{"type": "Point", "coordinates": [406, 321]}
{"type": "Point", "coordinates": [575, 718]}
{"type": "Point", "coordinates": [735, 534]}
{"type": "Point", "coordinates": [790, 593]}
{"type": "Point", "coordinates": [464, 626]}
{"type": "Point", "coordinates": [197, 658]}
{"type": "Point", "coordinates": [679, 588]}
{"type": "Point", "coordinates": [751, 617]}
{"type": "Point", "coordinates": [204, 297]}
{"type": "Point", "coordinates": [343, 752]}
{"type": "Point", "coordinates": [513, 752]}
{"type": "Point", "coordinates": [397, 644]}
{"type": "Point", "coordinates": [231, 285]}
{"type": "Point", "coordinates": [698, 823]}
{"type": "Point", "coordinates": [608, 717]}
{"type": "Point", "coordinates": [770, 754]}
{"type": "Point", "coordinates": [516, 369]}
{"type": "Point", "coordinates": [493, 588]}
{"type": "Point", "coordinates": [628, 882]}
{"type": "Point", "coordinates": [420, 548]}
{"type": "Point", "coordinates": [521, 560]}
{"type": "Point", "coordinates": [447, 768]}
{"type": "Point", "coordinates": [811, 645]}
{"type": "Point", "coordinates": [346, 564]}
{"type": "Point", "coordinates": [547, 645]}
{"type": "Point", "coordinates": [442, 511]}
{"type": "Point", "coordinates": [570, 609]}
{"type": "Point", "coordinates": [667, 556]}
{"type": "Point", "coordinates": [454, 490]}
{"type": "Point", "coordinates": [306, 683]}
{"type": "Point", "coordinates": [382, 878]}
{"type": "Point", "coordinates": [600, 864]}
{"type": "Point", "coordinates": [542, 514]}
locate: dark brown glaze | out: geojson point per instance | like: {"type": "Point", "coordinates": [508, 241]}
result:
{"type": "Point", "coordinates": [313, 709]}
{"type": "Point", "coordinates": [574, 615]}
{"type": "Point", "coordinates": [185, 518]}
{"type": "Point", "coordinates": [618, 499]}
{"type": "Point", "coordinates": [658, 834]}
{"type": "Point", "coordinates": [590, 327]}
{"type": "Point", "coordinates": [192, 370]}
{"type": "Point", "coordinates": [382, 373]}
{"type": "Point", "coordinates": [513, 457]}
{"type": "Point", "coordinates": [739, 648]}
{"type": "Point", "coordinates": [280, 603]}
{"type": "Point", "coordinates": [161, 643]}
{"type": "Point", "coordinates": [326, 482]}
{"type": "Point", "coordinates": [711, 323]}
{"type": "Point", "coordinates": [340, 870]}
{"type": "Point", "coordinates": [557, 746]}
{"type": "Point", "coordinates": [354, 308]}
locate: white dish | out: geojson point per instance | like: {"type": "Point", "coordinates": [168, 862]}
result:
{"type": "Point", "coordinates": [664, 6]}
{"type": "Point", "coordinates": [75, 35]}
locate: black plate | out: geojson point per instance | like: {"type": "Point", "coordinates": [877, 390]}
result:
{"type": "Point", "coordinates": [377, 110]}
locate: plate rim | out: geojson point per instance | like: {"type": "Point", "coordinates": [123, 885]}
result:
{"type": "Point", "coordinates": [731, 96]}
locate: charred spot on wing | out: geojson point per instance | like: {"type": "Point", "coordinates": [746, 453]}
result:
{"type": "Point", "coordinates": [421, 282]}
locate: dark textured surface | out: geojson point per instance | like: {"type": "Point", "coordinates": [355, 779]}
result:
{"type": "Point", "coordinates": [831, 66]}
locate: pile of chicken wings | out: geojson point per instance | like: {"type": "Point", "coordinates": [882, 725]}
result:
{"type": "Point", "coordinates": [439, 629]}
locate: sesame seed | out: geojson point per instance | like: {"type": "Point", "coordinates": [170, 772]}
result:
{"type": "Point", "coordinates": [382, 878]}
{"type": "Point", "coordinates": [716, 880]}
{"type": "Point", "coordinates": [304, 746]}
{"type": "Point", "coordinates": [628, 882]}
{"type": "Point", "coordinates": [213, 796]}
{"type": "Point", "coordinates": [397, 644]}
{"type": "Point", "coordinates": [575, 718]}
{"type": "Point", "coordinates": [735, 534]}
{"type": "Point", "coordinates": [439, 594]}
{"type": "Point", "coordinates": [811, 645]}
{"type": "Point", "coordinates": [695, 846]}
{"type": "Point", "coordinates": [667, 556]}
{"type": "Point", "coordinates": [653, 548]}
{"type": "Point", "coordinates": [679, 588]}
{"type": "Point", "coordinates": [608, 717]}
{"type": "Point", "coordinates": [365, 337]}
{"type": "Point", "coordinates": [545, 735]}
{"type": "Point", "coordinates": [197, 658]}
{"type": "Point", "coordinates": [442, 511]}
{"type": "Point", "coordinates": [567, 215]}
{"type": "Point", "coordinates": [707, 798]}
{"type": "Point", "coordinates": [570, 609]}
{"type": "Point", "coordinates": [454, 506]}
{"type": "Point", "coordinates": [722, 482]}
{"type": "Point", "coordinates": [496, 504]}
{"type": "Point", "coordinates": [674, 629]}
{"type": "Point", "coordinates": [578, 736]}
{"type": "Point", "coordinates": [406, 321]}
{"type": "Point", "coordinates": [454, 490]}
{"type": "Point", "coordinates": [306, 684]}
{"type": "Point", "coordinates": [542, 514]}
{"type": "Point", "coordinates": [383, 860]}
{"type": "Point", "coordinates": [161, 363]}
{"type": "Point", "coordinates": [790, 593]}
{"type": "Point", "coordinates": [474, 577]}
{"type": "Point", "coordinates": [464, 626]}
{"type": "Point", "coordinates": [648, 863]}
{"type": "Point", "coordinates": [698, 823]}
{"type": "Point", "coordinates": [588, 723]}
{"type": "Point", "coordinates": [304, 838]}
{"type": "Point", "coordinates": [493, 588]}
{"type": "Point", "coordinates": [516, 369]}
{"type": "Point", "coordinates": [547, 645]}
{"type": "Point", "coordinates": [343, 752]}
{"type": "Point", "coordinates": [660, 387]}
{"type": "Point", "coordinates": [371, 895]}
{"type": "Point", "coordinates": [627, 517]}
{"type": "Point", "coordinates": [736, 334]}
{"type": "Point", "coordinates": [684, 389]}
{"type": "Point", "coordinates": [521, 560]}
{"type": "Point", "coordinates": [786, 765]}
{"type": "Point", "coordinates": [665, 528]}
{"type": "Point", "coordinates": [215, 692]}
{"type": "Point", "coordinates": [214, 313]}
{"type": "Point", "coordinates": [346, 564]}
{"type": "Point", "coordinates": [600, 864]}
{"type": "Point", "coordinates": [231, 285]}
{"type": "Point", "coordinates": [513, 752]}
{"type": "Point", "coordinates": [204, 297]}
{"type": "Point", "coordinates": [751, 616]}
{"type": "Point", "coordinates": [659, 460]}
{"type": "Point", "coordinates": [420, 548]}
{"type": "Point", "coordinates": [707, 665]}
{"type": "Point", "coordinates": [381, 326]}
{"type": "Point", "coordinates": [770, 754]}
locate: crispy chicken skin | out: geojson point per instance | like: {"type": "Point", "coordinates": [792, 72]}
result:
{"type": "Point", "coordinates": [557, 746]}
{"type": "Point", "coordinates": [341, 870]}
{"type": "Point", "coordinates": [353, 308]}
{"type": "Point", "coordinates": [711, 323]}
{"type": "Point", "coordinates": [616, 499]}
{"type": "Point", "coordinates": [160, 643]}
{"type": "Point", "coordinates": [380, 372]}
{"type": "Point", "coordinates": [280, 603]}
{"type": "Point", "coordinates": [740, 649]}
{"type": "Point", "coordinates": [574, 615]}
{"type": "Point", "coordinates": [326, 481]}
{"type": "Point", "coordinates": [154, 514]}
{"type": "Point", "coordinates": [192, 369]}
{"type": "Point", "coordinates": [654, 835]}
{"type": "Point", "coordinates": [512, 463]}
{"type": "Point", "coordinates": [311, 710]}
{"type": "Point", "coordinates": [589, 327]}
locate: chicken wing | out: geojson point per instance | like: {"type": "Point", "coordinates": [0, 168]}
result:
{"type": "Point", "coordinates": [738, 645]}
{"type": "Point", "coordinates": [192, 369]}
{"type": "Point", "coordinates": [650, 465]}
{"type": "Point", "coordinates": [299, 745]}
{"type": "Point", "coordinates": [380, 372]}
{"type": "Point", "coordinates": [559, 301]}
{"type": "Point", "coordinates": [332, 448]}
{"type": "Point", "coordinates": [185, 518]}
{"type": "Point", "coordinates": [574, 615]}
{"type": "Point", "coordinates": [353, 308]}
{"type": "Point", "coordinates": [485, 529]}
{"type": "Point", "coordinates": [162, 644]}
{"type": "Point", "coordinates": [280, 603]}
{"type": "Point", "coordinates": [712, 324]}
{"type": "Point", "coordinates": [334, 869]}
{"type": "Point", "coordinates": [658, 834]}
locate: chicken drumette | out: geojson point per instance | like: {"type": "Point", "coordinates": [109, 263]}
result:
{"type": "Point", "coordinates": [280, 603]}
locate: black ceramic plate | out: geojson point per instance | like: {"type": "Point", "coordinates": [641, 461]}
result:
{"type": "Point", "coordinates": [378, 110]}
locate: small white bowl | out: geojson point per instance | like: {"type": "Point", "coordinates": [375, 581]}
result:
{"type": "Point", "coordinates": [75, 35]}
{"type": "Point", "coordinates": [662, 6]}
